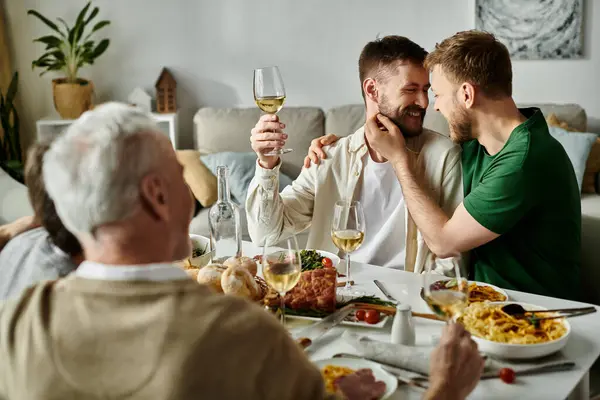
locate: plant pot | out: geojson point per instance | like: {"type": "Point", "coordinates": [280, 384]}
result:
{"type": "Point", "coordinates": [72, 99]}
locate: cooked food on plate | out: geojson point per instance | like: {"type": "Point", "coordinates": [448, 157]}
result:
{"type": "Point", "coordinates": [488, 321]}
{"type": "Point", "coordinates": [477, 293]}
{"type": "Point", "coordinates": [315, 290]}
{"type": "Point", "coordinates": [333, 374]}
{"type": "Point", "coordinates": [310, 260]}
{"type": "Point", "coordinates": [198, 250]}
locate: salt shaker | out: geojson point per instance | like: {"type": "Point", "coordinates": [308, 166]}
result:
{"type": "Point", "coordinates": [403, 329]}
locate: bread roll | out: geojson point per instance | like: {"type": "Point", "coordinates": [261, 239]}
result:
{"type": "Point", "coordinates": [238, 281]}
{"type": "Point", "coordinates": [211, 276]}
{"type": "Point", "coordinates": [193, 273]}
{"type": "Point", "coordinates": [243, 261]}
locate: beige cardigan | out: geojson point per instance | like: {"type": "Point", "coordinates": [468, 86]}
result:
{"type": "Point", "coordinates": [90, 339]}
{"type": "Point", "coordinates": [309, 201]}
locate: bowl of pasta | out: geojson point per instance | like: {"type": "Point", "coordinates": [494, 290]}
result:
{"type": "Point", "coordinates": [502, 335]}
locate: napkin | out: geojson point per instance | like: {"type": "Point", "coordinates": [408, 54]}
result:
{"type": "Point", "coordinates": [416, 358]}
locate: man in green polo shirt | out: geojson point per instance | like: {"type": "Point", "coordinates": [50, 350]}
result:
{"type": "Point", "coordinates": [521, 216]}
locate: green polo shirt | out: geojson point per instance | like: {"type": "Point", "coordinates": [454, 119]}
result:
{"type": "Point", "coordinates": [528, 194]}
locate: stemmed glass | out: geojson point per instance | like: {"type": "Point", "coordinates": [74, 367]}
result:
{"type": "Point", "coordinates": [348, 233]}
{"type": "Point", "coordinates": [281, 269]}
{"type": "Point", "coordinates": [269, 95]}
{"type": "Point", "coordinates": [446, 296]}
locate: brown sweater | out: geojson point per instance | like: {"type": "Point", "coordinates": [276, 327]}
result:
{"type": "Point", "coordinates": [89, 339]}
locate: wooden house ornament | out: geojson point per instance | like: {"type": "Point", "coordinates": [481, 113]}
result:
{"type": "Point", "coordinates": [166, 96]}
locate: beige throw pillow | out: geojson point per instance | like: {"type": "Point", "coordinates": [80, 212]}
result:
{"type": "Point", "coordinates": [201, 181]}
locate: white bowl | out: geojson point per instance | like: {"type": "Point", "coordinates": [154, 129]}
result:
{"type": "Point", "coordinates": [204, 243]}
{"type": "Point", "coordinates": [523, 351]}
{"type": "Point", "coordinates": [333, 257]}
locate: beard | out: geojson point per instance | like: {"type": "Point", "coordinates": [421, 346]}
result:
{"type": "Point", "coordinates": [399, 117]}
{"type": "Point", "coordinates": [461, 126]}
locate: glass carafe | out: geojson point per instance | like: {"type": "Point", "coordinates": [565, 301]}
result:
{"type": "Point", "coordinates": [224, 222]}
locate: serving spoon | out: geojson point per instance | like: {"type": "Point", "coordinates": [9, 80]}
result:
{"type": "Point", "coordinates": [517, 311]}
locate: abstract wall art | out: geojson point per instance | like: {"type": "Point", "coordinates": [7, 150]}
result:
{"type": "Point", "coordinates": [534, 29]}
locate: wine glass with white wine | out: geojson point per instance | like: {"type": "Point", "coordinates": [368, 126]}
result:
{"type": "Point", "coordinates": [269, 95]}
{"type": "Point", "coordinates": [446, 296]}
{"type": "Point", "coordinates": [281, 269]}
{"type": "Point", "coordinates": [348, 233]}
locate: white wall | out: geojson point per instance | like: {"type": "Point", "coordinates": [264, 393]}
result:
{"type": "Point", "coordinates": [212, 47]}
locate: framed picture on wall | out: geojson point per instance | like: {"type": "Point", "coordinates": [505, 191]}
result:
{"type": "Point", "coordinates": [534, 29]}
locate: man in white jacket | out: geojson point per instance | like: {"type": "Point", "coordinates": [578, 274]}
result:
{"type": "Point", "coordinates": [395, 84]}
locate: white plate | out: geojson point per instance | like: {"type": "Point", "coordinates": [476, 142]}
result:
{"type": "Point", "coordinates": [362, 324]}
{"type": "Point", "coordinates": [391, 383]}
{"type": "Point", "coordinates": [522, 351]}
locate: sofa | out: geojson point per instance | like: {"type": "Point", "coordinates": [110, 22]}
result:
{"type": "Point", "coordinates": [228, 129]}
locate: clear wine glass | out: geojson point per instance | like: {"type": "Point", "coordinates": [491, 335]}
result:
{"type": "Point", "coordinates": [446, 296]}
{"type": "Point", "coordinates": [348, 233]}
{"type": "Point", "coordinates": [281, 269]}
{"type": "Point", "coordinates": [269, 95]}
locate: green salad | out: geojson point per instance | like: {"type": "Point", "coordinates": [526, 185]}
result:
{"type": "Point", "coordinates": [311, 259]}
{"type": "Point", "coordinates": [198, 251]}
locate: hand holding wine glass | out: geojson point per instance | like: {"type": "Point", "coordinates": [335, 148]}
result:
{"type": "Point", "coordinates": [348, 233]}
{"type": "Point", "coordinates": [269, 95]}
{"type": "Point", "coordinates": [447, 297]}
{"type": "Point", "coordinates": [281, 269]}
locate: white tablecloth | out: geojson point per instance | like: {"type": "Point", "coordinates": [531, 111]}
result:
{"type": "Point", "coordinates": [583, 346]}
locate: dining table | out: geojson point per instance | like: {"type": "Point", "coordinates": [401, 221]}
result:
{"type": "Point", "coordinates": [582, 347]}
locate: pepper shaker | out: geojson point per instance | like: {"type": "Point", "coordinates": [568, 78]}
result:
{"type": "Point", "coordinates": [403, 329]}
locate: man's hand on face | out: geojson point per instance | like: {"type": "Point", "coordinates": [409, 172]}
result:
{"type": "Point", "coordinates": [267, 135]}
{"type": "Point", "coordinates": [385, 138]}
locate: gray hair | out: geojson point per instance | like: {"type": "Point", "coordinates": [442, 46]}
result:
{"type": "Point", "coordinates": [93, 171]}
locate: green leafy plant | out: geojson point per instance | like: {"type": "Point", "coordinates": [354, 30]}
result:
{"type": "Point", "coordinates": [10, 142]}
{"type": "Point", "coordinates": [70, 48]}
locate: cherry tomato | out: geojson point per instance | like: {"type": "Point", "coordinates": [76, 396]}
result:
{"type": "Point", "coordinates": [372, 317]}
{"type": "Point", "coordinates": [327, 263]}
{"type": "Point", "coordinates": [507, 375]}
{"type": "Point", "coordinates": [360, 315]}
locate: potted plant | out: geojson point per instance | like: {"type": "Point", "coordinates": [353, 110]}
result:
{"type": "Point", "coordinates": [11, 158]}
{"type": "Point", "coordinates": [67, 50]}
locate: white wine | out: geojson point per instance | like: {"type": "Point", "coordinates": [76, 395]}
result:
{"type": "Point", "coordinates": [447, 303]}
{"type": "Point", "coordinates": [347, 240]}
{"type": "Point", "coordinates": [270, 104]}
{"type": "Point", "coordinates": [282, 276]}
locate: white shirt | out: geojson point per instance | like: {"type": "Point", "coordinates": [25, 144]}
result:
{"type": "Point", "coordinates": [381, 196]}
{"type": "Point", "coordinates": [146, 272]}
{"type": "Point", "coordinates": [309, 201]}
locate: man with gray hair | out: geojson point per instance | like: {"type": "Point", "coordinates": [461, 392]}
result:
{"type": "Point", "coordinates": [127, 323]}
